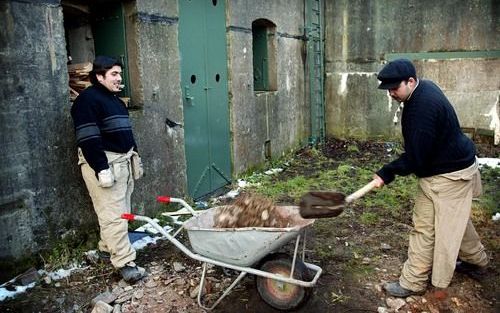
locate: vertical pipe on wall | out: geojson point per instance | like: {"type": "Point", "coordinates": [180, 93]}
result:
{"type": "Point", "coordinates": [315, 60]}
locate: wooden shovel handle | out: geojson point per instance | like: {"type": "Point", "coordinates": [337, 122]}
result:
{"type": "Point", "coordinates": [361, 192]}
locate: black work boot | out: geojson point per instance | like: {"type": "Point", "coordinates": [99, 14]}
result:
{"type": "Point", "coordinates": [131, 273]}
{"type": "Point", "coordinates": [104, 256]}
{"type": "Point", "coordinates": [394, 289]}
{"type": "Point", "coordinates": [472, 270]}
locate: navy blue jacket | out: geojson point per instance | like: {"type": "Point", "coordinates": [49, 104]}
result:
{"type": "Point", "coordinates": [433, 140]}
{"type": "Point", "coordinates": [101, 124]}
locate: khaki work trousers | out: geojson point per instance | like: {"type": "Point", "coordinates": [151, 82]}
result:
{"type": "Point", "coordinates": [443, 229]}
{"type": "Point", "coordinates": [110, 203]}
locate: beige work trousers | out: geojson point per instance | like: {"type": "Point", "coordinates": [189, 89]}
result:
{"type": "Point", "coordinates": [110, 203]}
{"type": "Point", "coordinates": [443, 229]}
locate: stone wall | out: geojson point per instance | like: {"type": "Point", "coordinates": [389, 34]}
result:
{"type": "Point", "coordinates": [41, 198]}
{"type": "Point", "coordinates": [42, 195]}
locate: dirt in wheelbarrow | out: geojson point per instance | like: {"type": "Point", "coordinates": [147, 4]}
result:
{"type": "Point", "coordinates": [358, 251]}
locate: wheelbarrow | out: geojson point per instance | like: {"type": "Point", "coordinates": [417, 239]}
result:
{"type": "Point", "coordinates": [284, 282]}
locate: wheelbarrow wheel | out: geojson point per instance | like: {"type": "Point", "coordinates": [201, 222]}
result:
{"type": "Point", "coordinates": [280, 295]}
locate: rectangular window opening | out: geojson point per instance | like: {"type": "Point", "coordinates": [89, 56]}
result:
{"type": "Point", "coordinates": [92, 31]}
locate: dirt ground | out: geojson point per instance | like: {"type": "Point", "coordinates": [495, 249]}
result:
{"type": "Point", "coordinates": [357, 258]}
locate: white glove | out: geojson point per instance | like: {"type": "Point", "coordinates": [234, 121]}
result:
{"type": "Point", "coordinates": [137, 168]}
{"type": "Point", "coordinates": [106, 178]}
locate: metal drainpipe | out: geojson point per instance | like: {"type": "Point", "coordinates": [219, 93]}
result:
{"type": "Point", "coordinates": [315, 58]}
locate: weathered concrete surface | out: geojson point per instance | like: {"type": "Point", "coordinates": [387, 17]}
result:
{"type": "Point", "coordinates": [471, 88]}
{"type": "Point", "coordinates": [156, 52]}
{"type": "Point", "coordinates": [360, 34]}
{"type": "Point", "coordinates": [40, 199]}
{"type": "Point", "coordinates": [279, 116]}
{"type": "Point", "coordinates": [358, 112]}
{"type": "Point", "coordinates": [42, 195]}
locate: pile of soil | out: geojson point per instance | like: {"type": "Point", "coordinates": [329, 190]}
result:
{"type": "Point", "coordinates": [249, 210]}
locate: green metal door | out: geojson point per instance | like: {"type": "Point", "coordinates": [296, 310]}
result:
{"type": "Point", "coordinates": [108, 29]}
{"type": "Point", "coordinates": [202, 41]}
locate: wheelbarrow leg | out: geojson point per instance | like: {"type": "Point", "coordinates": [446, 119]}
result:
{"type": "Point", "coordinates": [226, 292]}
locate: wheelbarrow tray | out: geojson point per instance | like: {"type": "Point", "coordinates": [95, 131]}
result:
{"type": "Point", "coordinates": [241, 246]}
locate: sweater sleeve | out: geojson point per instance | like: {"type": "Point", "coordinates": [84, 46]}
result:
{"type": "Point", "coordinates": [88, 135]}
{"type": "Point", "coordinates": [400, 166]}
{"type": "Point", "coordinates": [419, 149]}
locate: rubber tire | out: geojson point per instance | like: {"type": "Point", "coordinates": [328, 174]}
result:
{"type": "Point", "coordinates": [279, 295]}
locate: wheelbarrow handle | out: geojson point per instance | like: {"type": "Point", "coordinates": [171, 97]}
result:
{"type": "Point", "coordinates": [167, 199]}
{"type": "Point", "coordinates": [163, 199]}
{"type": "Point", "coordinates": [361, 192]}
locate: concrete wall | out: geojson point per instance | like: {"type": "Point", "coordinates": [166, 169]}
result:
{"type": "Point", "coordinates": [361, 35]}
{"type": "Point", "coordinates": [280, 116]}
{"type": "Point", "coordinates": [40, 199]}
{"type": "Point", "coordinates": [156, 53]}
{"type": "Point", "coordinates": [42, 195]}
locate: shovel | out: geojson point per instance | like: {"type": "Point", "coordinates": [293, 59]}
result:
{"type": "Point", "coordinates": [319, 204]}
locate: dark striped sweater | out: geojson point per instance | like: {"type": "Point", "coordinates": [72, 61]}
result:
{"type": "Point", "coordinates": [433, 141]}
{"type": "Point", "coordinates": [101, 124]}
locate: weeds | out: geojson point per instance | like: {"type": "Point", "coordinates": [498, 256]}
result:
{"type": "Point", "coordinates": [369, 218]}
{"type": "Point", "coordinates": [338, 298]}
{"type": "Point", "coordinates": [490, 199]}
{"type": "Point", "coordinates": [345, 177]}
{"type": "Point", "coordinates": [65, 252]}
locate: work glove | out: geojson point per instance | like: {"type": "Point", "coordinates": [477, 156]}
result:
{"type": "Point", "coordinates": [106, 178]}
{"type": "Point", "coordinates": [137, 167]}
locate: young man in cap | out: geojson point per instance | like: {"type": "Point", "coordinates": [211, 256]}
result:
{"type": "Point", "coordinates": [443, 159]}
{"type": "Point", "coordinates": [106, 146]}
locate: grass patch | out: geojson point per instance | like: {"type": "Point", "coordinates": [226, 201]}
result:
{"type": "Point", "coordinates": [489, 201]}
{"type": "Point", "coordinates": [344, 177]}
{"type": "Point", "coordinates": [369, 218]}
{"type": "Point", "coordinates": [352, 148]}
{"type": "Point", "coordinates": [293, 187]}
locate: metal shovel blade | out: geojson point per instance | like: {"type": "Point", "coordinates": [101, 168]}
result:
{"type": "Point", "coordinates": [319, 204]}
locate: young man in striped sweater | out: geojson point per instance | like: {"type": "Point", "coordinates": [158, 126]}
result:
{"type": "Point", "coordinates": [443, 159]}
{"type": "Point", "coordinates": [106, 147]}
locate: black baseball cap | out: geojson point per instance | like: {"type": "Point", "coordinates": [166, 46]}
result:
{"type": "Point", "coordinates": [395, 72]}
